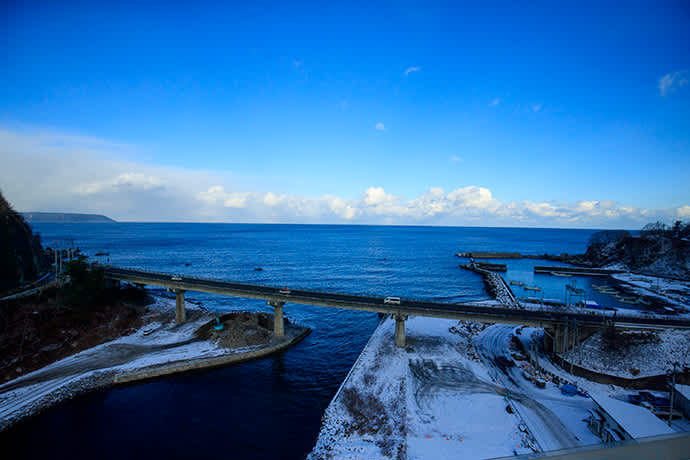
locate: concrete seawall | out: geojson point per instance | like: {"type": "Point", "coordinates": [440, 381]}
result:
{"type": "Point", "coordinates": [72, 386]}
{"type": "Point", "coordinates": [188, 365]}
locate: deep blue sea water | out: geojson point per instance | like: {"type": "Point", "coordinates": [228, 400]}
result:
{"type": "Point", "coordinates": [269, 408]}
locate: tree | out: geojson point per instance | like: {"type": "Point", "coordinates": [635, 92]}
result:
{"type": "Point", "coordinates": [86, 284]}
{"type": "Point", "coordinates": [605, 237]}
{"type": "Point", "coordinates": [655, 228]}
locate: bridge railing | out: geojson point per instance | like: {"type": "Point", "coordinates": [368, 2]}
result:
{"type": "Point", "coordinates": [549, 313]}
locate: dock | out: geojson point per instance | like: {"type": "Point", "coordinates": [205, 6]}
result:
{"type": "Point", "coordinates": [575, 270]}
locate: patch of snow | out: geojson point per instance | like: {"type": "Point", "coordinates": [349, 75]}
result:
{"type": "Point", "coordinates": [431, 400]}
{"type": "Point", "coordinates": [652, 358]}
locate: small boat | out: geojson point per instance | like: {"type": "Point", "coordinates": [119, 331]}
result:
{"type": "Point", "coordinates": [516, 283]}
{"type": "Point", "coordinates": [565, 275]}
{"type": "Point", "coordinates": [532, 288]}
{"type": "Point", "coordinates": [609, 291]}
{"type": "Point", "coordinates": [629, 300]}
{"type": "Point", "coordinates": [102, 253]}
{"type": "Point", "coordinates": [258, 269]}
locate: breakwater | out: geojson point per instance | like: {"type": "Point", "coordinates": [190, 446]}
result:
{"type": "Point", "coordinates": [575, 270]}
{"type": "Point", "coordinates": [495, 285]}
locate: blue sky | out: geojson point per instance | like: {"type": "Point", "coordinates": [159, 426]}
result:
{"type": "Point", "coordinates": [565, 116]}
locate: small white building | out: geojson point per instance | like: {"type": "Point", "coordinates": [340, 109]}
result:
{"type": "Point", "coordinates": [615, 420]}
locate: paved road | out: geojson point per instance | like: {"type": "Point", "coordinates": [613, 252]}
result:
{"type": "Point", "coordinates": [472, 311]}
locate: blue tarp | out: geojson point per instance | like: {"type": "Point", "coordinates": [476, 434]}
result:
{"type": "Point", "coordinates": [569, 390]}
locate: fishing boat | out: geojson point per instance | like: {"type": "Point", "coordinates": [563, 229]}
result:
{"type": "Point", "coordinates": [565, 275]}
{"type": "Point", "coordinates": [516, 283]}
{"type": "Point", "coordinates": [532, 288]}
{"type": "Point", "coordinates": [628, 300]}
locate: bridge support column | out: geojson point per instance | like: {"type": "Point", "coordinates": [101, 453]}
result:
{"type": "Point", "coordinates": [278, 323]}
{"type": "Point", "coordinates": [180, 314]}
{"type": "Point", "coordinates": [400, 331]}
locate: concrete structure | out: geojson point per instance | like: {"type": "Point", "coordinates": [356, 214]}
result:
{"type": "Point", "coordinates": [681, 399]}
{"type": "Point", "coordinates": [400, 330]}
{"type": "Point", "coordinates": [561, 337]}
{"type": "Point", "coordinates": [278, 324]}
{"type": "Point", "coordinates": [666, 447]}
{"type": "Point", "coordinates": [180, 313]}
{"type": "Point", "coordinates": [614, 420]}
{"type": "Point", "coordinates": [551, 319]}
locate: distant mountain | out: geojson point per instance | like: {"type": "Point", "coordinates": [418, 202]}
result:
{"type": "Point", "coordinates": [22, 258]}
{"type": "Point", "coordinates": [65, 217]}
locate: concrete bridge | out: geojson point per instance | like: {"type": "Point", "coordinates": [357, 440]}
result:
{"type": "Point", "coordinates": [555, 321]}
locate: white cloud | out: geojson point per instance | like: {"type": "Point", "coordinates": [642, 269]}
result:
{"type": "Point", "coordinates": [380, 127]}
{"type": "Point", "coordinates": [82, 175]}
{"type": "Point", "coordinates": [495, 102]}
{"type": "Point", "coordinates": [412, 69]}
{"type": "Point", "coordinates": [537, 107]}
{"type": "Point", "coordinates": [132, 180]}
{"type": "Point", "coordinates": [455, 159]}
{"type": "Point", "coordinates": [672, 81]}
{"type": "Point", "coordinates": [375, 195]}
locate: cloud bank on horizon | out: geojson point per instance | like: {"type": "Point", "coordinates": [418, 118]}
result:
{"type": "Point", "coordinates": [48, 171]}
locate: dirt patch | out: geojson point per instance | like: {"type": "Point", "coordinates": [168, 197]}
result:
{"type": "Point", "coordinates": [240, 329]}
{"type": "Point", "coordinates": [36, 331]}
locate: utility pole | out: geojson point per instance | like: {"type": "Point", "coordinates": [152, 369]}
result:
{"type": "Point", "coordinates": [673, 390]}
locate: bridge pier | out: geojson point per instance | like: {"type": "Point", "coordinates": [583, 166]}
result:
{"type": "Point", "coordinates": [560, 338]}
{"type": "Point", "coordinates": [180, 313]}
{"type": "Point", "coordinates": [278, 323]}
{"type": "Point", "coordinates": [400, 330]}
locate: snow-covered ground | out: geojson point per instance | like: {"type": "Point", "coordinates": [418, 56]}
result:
{"type": "Point", "coordinates": [674, 292]}
{"type": "Point", "coordinates": [157, 343]}
{"type": "Point", "coordinates": [436, 398]}
{"type": "Point", "coordinates": [450, 394]}
{"type": "Point", "coordinates": [596, 390]}
{"type": "Point", "coordinates": [555, 420]}
{"type": "Point", "coordinates": [652, 355]}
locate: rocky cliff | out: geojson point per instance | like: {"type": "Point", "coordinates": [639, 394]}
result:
{"type": "Point", "coordinates": [22, 258]}
{"type": "Point", "coordinates": [657, 250]}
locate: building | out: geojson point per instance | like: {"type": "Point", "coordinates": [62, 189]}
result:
{"type": "Point", "coordinates": [615, 420]}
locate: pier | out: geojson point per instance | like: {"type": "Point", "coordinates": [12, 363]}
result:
{"type": "Point", "coordinates": [575, 270]}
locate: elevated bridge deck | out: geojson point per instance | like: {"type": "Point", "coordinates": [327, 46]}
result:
{"type": "Point", "coordinates": [467, 310]}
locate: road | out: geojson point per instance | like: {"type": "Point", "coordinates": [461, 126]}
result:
{"type": "Point", "coordinates": [554, 420]}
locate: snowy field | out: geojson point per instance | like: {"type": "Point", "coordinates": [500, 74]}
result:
{"type": "Point", "coordinates": [438, 399]}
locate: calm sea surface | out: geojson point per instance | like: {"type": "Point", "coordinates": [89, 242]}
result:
{"type": "Point", "coordinates": [270, 408]}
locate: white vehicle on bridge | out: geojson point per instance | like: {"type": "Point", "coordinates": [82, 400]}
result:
{"type": "Point", "coordinates": [392, 300]}
{"type": "Point", "coordinates": [176, 278]}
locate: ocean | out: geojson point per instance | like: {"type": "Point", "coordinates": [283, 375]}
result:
{"type": "Point", "coordinates": [272, 407]}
